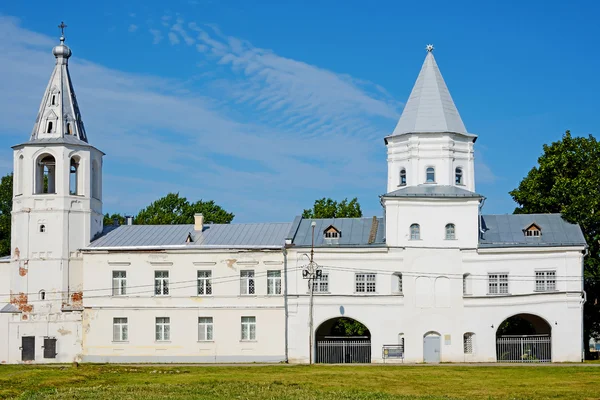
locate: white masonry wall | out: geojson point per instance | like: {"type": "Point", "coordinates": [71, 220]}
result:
{"type": "Point", "coordinates": [432, 299]}
{"type": "Point", "coordinates": [183, 306]}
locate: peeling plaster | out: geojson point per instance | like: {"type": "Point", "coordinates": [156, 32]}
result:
{"type": "Point", "coordinates": [230, 262]}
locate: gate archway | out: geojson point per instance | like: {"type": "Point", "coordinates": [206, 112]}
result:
{"type": "Point", "coordinates": [342, 340]}
{"type": "Point", "coordinates": [524, 338]}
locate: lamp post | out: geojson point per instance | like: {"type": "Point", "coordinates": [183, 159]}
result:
{"type": "Point", "coordinates": [310, 272]}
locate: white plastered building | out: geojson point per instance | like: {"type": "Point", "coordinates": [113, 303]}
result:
{"type": "Point", "coordinates": [433, 280]}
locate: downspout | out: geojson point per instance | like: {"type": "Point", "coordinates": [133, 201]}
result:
{"type": "Point", "coordinates": [285, 302]}
{"type": "Point", "coordinates": [481, 231]}
{"type": "Point", "coordinates": [583, 301]}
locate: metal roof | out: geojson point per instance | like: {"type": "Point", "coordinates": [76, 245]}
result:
{"type": "Point", "coordinates": [432, 190]}
{"type": "Point", "coordinates": [430, 107]}
{"type": "Point", "coordinates": [5, 259]}
{"type": "Point", "coordinates": [354, 232]}
{"type": "Point", "coordinates": [260, 235]}
{"type": "Point", "coordinates": [8, 308]}
{"type": "Point", "coordinates": [507, 231]}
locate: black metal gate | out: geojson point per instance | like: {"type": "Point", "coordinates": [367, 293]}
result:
{"type": "Point", "coordinates": [524, 348]}
{"type": "Point", "coordinates": [49, 347]}
{"type": "Point", "coordinates": [343, 350]}
{"type": "Point", "coordinates": [28, 348]}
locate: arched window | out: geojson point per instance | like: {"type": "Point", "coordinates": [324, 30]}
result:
{"type": "Point", "coordinates": [42, 228]}
{"type": "Point", "coordinates": [430, 175]}
{"type": "Point", "coordinates": [42, 294]}
{"type": "Point", "coordinates": [73, 176]}
{"type": "Point", "coordinates": [49, 129]}
{"type": "Point", "coordinates": [96, 180]}
{"type": "Point", "coordinates": [45, 177]}
{"type": "Point", "coordinates": [69, 131]}
{"type": "Point", "coordinates": [18, 178]}
{"type": "Point", "coordinates": [415, 232]}
{"type": "Point", "coordinates": [469, 343]}
{"type": "Point", "coordinates": [458, 176]}
{"type": "Point", "coordinates": [466, 284]}
{"type": "Point", "coordinates": [403, 177]}
{"type": "Point", "coordinates": [450, 232]}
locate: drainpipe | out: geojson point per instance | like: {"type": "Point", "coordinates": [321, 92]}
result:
{"type": "Point", "coordinates": [583, 344]}
{"type": "Point", "coordinates": [285, 302]}
{"type": "Point", "coordinates": [481, 231]}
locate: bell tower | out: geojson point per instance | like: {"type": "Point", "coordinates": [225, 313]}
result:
{"type": "Point", "coordinates": [57, 196]}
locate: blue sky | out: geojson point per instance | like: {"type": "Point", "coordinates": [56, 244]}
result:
{"type": "Point", "coordinates": [266, 106]}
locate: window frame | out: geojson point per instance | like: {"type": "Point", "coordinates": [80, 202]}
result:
{"type": "Point", "coordinates": [403, 178]}
{"type": "Point", "coordinates": [247, 282]}
{"type": "Point", "coordinates": [162, 329]}
{"type": "Point", "coordinates": [207, 327]}
{"type": "Point", "coordinates": [418, 231]}
{"type": "Point", "coordinates": [496, 279]}
{"type": "Point", "coordinates": [469, 343]}
{"type": "Point", "coordinates": [321, 283]}
{"type": "Point", "coordinates": [452, 226]}
{"type": "Point", "coordinates": [119, 283]}
{"type": "Point", "coordinates": [120, 329]}
{"type": "Point", "coordinates": [162, 283]}
{"type": "Point", "coordinates": [274, 283]}
{"type": "Point", "coordinates": [427, 172]}
{"type": "Point", "coordinates": [546, 280]}
{"type": "Point", "coordinates": [204, 283]}
{"type": "Point", "coordinates": [368, 282]}
{"type": "Point", "coordinates": [250, 323]}
{"type": "Point", "coordinates": [459, 176]}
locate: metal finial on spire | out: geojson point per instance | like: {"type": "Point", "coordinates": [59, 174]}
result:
{"type": "Point", "coordinates": [62, 27]}
{"type": "Point", "coordinates": [429, 48]}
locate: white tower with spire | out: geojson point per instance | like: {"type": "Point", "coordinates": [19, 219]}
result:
{"type": "Point", "coordinates": [431, 174]}
{"type": "Point", "coordinates": [57, 207]}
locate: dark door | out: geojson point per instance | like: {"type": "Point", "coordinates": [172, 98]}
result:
{"type": "Point", "coordinates": [49, 348]}
{"type": "Point", "coordinates": [28, 348]}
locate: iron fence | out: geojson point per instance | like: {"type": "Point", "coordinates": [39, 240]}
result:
{"type": "Point", "coordinates": [343, 351]}
{"type": "Point", "coordinates": [524, 348]}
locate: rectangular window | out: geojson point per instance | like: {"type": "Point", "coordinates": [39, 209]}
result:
{"type": "Point", "coordinates": [248, 328]}
{"type": "Point", "coordinates": [161, 283]}
{"type": "Point", "coordinates": [273, 282]}
{"type": "Point", "coordinates": [119, 283]}
{"type": "Point", "coordinates": [545, 281]}
{"type": "Point", "coordinates": [468, 343]}
{"type": "Point", "coordinates": [321, 285]}
{"type": "Point", "coordinates": [497, 283]}
{"type": "Point", "coordinates": [205, 329]}
{"type": "Point", "coordinates": [204, 283]}
{"type": "Point", "coordinates": [365, 283]}
{"type": "Point", "coordinates": [120, 330]}
{"type": "Point", "coordinates": [163, 329]}
{"type": "Point", "coordinates": [247, 282]}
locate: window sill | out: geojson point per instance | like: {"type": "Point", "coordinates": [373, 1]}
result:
{"type": "Point", "coordinates": [398, 293]}
{"type": "Point", "coordinates": [248, 341]}
{"type": "Point", "coordinates": [365, 293]}
{"type": "Point", "coordinates": [546, 291]}
{"type": "Point", "coordinates": [120, 341]}
{"type": "Point", "coordinates": [162, 341]}
{"type": "Point", "coordinates": [248, 295]}
{"type": "Point", "coordinates": [273, 295]}
{"type": "Point", "coordinates": [162, 295]}
{"type": "Point", "coordinates": [498, 294]}
{"type": "Point", "coordinates": [203, 295]}
{"type": "Point", "coordinates": [205, 341]}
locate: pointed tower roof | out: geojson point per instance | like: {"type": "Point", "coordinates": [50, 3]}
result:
{"type": "Point", "coordinates": [430, 107]}
{"type": "Point", "coordinates": [59, 118]}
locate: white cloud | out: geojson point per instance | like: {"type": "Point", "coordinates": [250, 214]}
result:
{"type": "Point", "coordinates": [133, 28]}
{"type": "Point", "coordinates": [156, 36]}
{"type": "Point", "coordinates": [173, 39]}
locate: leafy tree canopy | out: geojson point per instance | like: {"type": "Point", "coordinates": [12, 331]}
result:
{"type": "Point", "coordinates": [349, 327]}
{"type": "Point", "coordinates": [567, 181]}
{"type": "Point", "coordinates": [109, 219]}
{"type": "Point", "coordinates": [6, 193]}
{"type": "Point", "coordinates": [173, 209]}
{"type": "Point", "coordinates": [328, 208]}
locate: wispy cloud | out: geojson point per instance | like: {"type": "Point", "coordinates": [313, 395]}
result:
{"type": "Point", "coordinates": [157, 36]}
{"type": "Point", "coordinates": [132, 28]}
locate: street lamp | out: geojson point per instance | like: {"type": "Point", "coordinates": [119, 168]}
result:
{"type": "Point", "coordinates": [310, 272]}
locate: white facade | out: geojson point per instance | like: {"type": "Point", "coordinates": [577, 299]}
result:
{"type": "Point", "coordinates": [434, 277]}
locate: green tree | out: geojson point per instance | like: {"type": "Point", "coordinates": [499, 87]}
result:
{"type": "Point", "coordinates": [328, 208]}
{"type": "Point", "coordinates": [173, 209]}
{"type": "Point", "coordinates": [349, 327]}
{"type": "Point", "coordinates": [109, 219]}
{"type": "Point", "coordinates": [6, 193]}
{"type": "Point", "coordinates": [567, 181]}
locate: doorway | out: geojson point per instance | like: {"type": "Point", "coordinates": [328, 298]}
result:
{"type": "Point", "coordinates": [28, 348]}
{"type": "Point", "coordinates": [431, 348]}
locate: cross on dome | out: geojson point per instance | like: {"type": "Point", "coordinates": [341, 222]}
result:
{"type": "Point", "coordinates": [62, 27]}
{"type": "Point", "coordinates": [429, 48]}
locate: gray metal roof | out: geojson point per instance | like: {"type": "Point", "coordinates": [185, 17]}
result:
{"type": "Point", "coordinates": [354, 232]}
{"type": "Point", "coordinates": [507, 231]}
{"type": "Point", "coordinates": [8, 308]}
{"type": "Point", "coordinates": [432, 190]}
{"type": "Point", "coordinates": [261, 235]}
{"type": "Point", "coordinates": [430, 107]}
{"type": "Point", "coordinates": [69, 139]}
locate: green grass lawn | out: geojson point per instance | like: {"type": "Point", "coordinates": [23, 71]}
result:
{"type": "Point", "coordinates": [299, 382]}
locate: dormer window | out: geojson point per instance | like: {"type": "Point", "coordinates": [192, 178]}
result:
{"type": "Point", "coordinates": [533, 230]}
{"type": "Point", "coordinates": [403, 177]}
{"type": "Point", "coordinates": [332, 233]}
{"type": "Point", "coordinates": [430, 175]}
{"type": "Point", "coordinates": [458, 176]}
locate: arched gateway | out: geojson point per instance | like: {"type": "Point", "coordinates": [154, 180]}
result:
{"type": "Point", "coordinates": [342, 341]}
{"type": "Point", "coordinates": [524, 338]}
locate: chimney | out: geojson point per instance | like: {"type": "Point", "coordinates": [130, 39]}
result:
{"type": "Point", "coordinates": [198, 222]}
{"type": "Point", "coordinates": [129, 219]}
{"type": "Point", "coordinates": [116, 221]}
